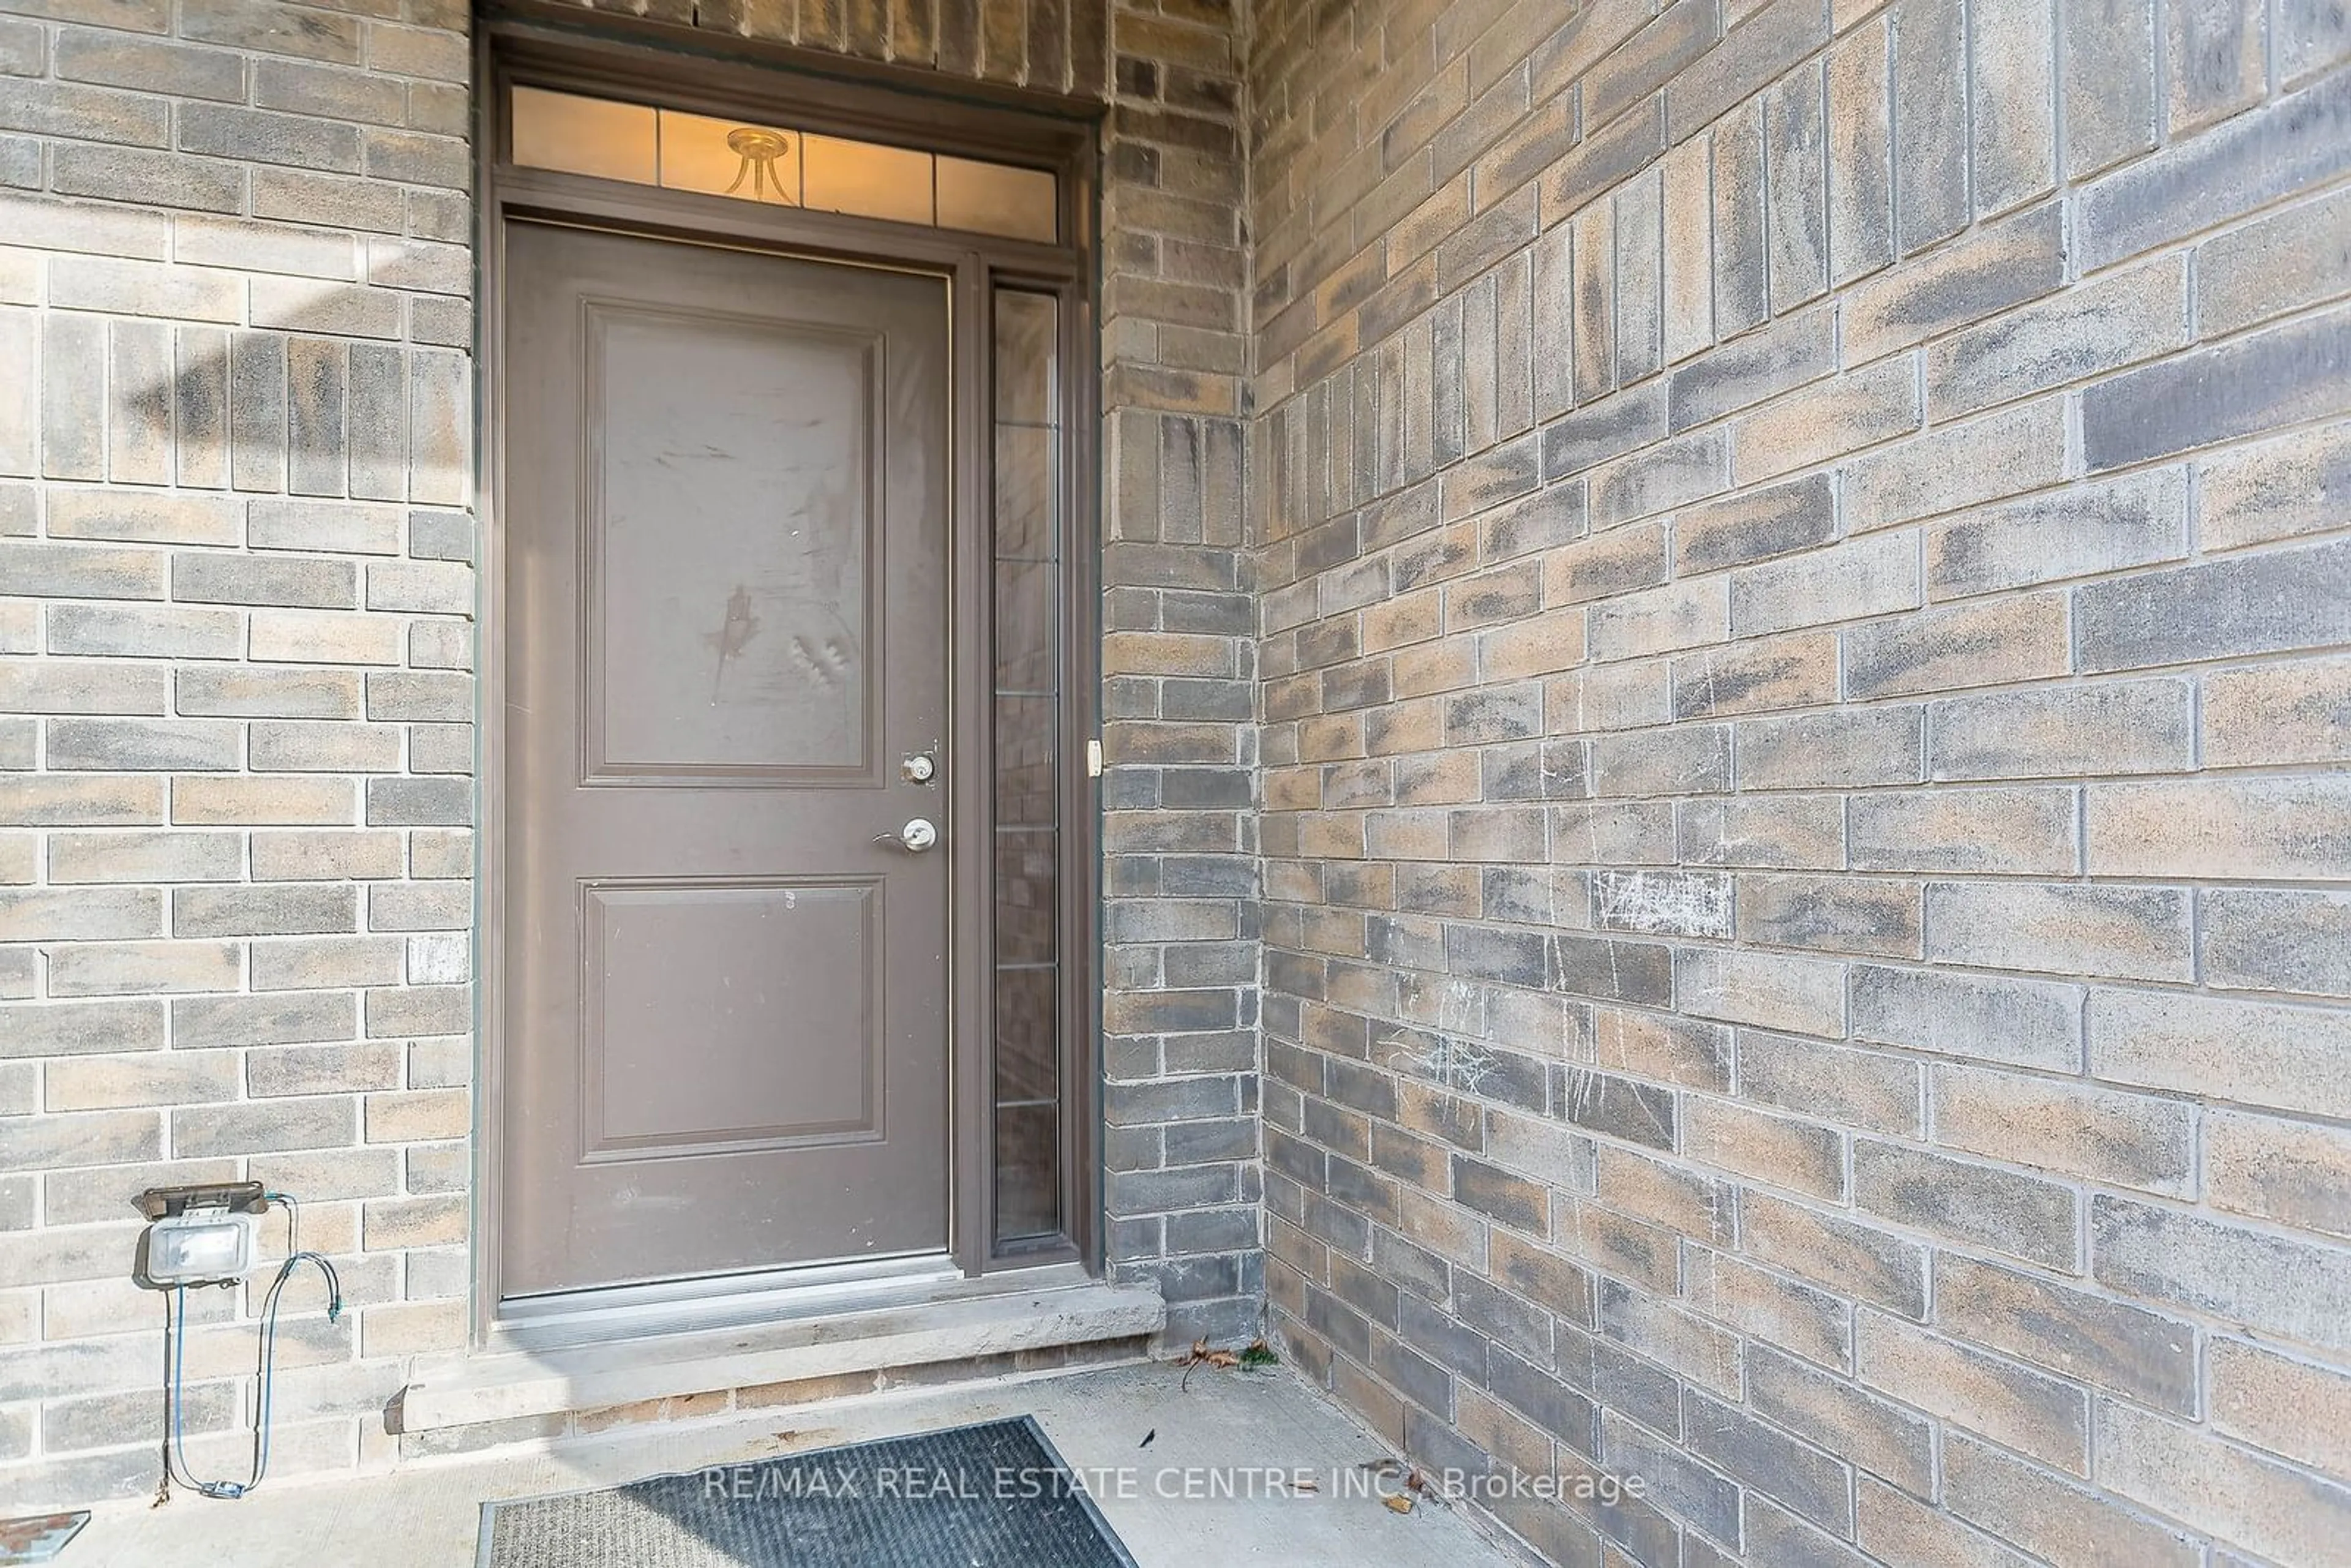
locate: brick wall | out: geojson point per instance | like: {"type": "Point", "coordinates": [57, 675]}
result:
{"type": "Point", "coordinates": [1054, 46]}
{"type": "Point", "coordinates": [1180, 957]}
{"type": "Point", "coordinates": [236, 705]}
{"type": "Point", "coordinates": [1804, 580]}
{"type": "Point", "coordinates": [236, 700]}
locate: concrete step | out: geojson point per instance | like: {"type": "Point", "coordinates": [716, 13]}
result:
{"type": "Point", "coordinates": [501, 1384]}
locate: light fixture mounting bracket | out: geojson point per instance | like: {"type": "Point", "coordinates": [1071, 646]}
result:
{"type": "Point", "coordinates": [234, 1196]}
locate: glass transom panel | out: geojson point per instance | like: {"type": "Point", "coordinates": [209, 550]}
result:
{"type": "Point", "coordinates": [780, 166]}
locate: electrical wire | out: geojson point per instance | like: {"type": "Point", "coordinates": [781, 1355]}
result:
{"type": "Point", "coordinates": [293, 1218]}
{"type": "Point", "coordinates": [175, 1357]}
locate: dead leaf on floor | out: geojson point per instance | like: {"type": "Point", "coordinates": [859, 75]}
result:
{"type": "Point", "coordinates": [1201, 1355]}
{"type": "Point", "coordinates": [1254, 1356]}
{"type": "Point", "coordinates": [1415, 1482]}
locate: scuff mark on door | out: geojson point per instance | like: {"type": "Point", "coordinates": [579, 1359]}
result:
{"type": "Point", "coordinates": [733, 632]}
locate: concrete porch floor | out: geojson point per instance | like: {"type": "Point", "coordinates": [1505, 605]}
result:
{"type": "Point", "coordinates": [428, 1514]}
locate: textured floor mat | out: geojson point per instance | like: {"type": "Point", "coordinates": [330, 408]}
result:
{"type": "Point", "coordinates": [969, 1496]}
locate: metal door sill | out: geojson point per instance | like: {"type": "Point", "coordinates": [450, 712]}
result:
{"type": "Point", "coordinates": [677, 1306]}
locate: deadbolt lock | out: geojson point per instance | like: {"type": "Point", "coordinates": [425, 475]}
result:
{"type": "Point", "coordinates": [919, 769]}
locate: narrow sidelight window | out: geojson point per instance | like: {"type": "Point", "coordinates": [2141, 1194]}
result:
{"type": "Point", "coordinates": [1028, 665]}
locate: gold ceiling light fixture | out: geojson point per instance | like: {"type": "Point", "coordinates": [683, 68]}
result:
{"type": "Point", "coordinates": [759, 149]}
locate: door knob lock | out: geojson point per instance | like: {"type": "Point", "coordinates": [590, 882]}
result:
{"type": "Point", "coordinates": [916, 836]}
{"type": "Point", "coordinates": [921, 767]}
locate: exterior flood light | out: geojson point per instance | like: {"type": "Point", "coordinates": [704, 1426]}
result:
{"type": "Point", "coordinates": [206, 1234]}
{"type": "Point", "coordinates": [201, 1235]}
{"type": "Point", "coordinates": [197, 1248]}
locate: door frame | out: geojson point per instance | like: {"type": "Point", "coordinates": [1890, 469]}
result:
{"type": "Point", "coordinates": [546, 46]}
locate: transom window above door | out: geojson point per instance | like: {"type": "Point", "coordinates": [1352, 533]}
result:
{"type": "Point", "coordinates": [575, 134]}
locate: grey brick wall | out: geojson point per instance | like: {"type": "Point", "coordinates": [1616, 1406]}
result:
{"type": "Point", "coordinates": [1804, 701]}
{"type": "Point", "coordinates": [1056, 46]}
{"type": "Point", "coordinates": [235, 700]}
{"type": "Point", "coordinates": [236, 703]}
{"type": "Point", "coordinates": [1179, 651]}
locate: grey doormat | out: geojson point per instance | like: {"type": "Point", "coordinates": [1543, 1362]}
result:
{"type": "Point", "coordinates": [969, 1496]}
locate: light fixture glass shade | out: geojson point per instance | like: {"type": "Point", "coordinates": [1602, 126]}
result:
{"type": "Point", "coordinates": [200, 1248]}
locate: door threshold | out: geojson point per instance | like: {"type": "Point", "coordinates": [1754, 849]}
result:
{"type": "Point", "coordinates": [521, 1374]}
{"type": "Point", "coordinates": [629, 1312]}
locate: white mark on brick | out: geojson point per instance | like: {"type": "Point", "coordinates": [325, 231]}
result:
{"type": "Point", "coordinates": [1444, 1058]}
{"type": "Point", "coordinates": [1662, 902]}
{"type": "Point", "coordinates": [1582, 1098]}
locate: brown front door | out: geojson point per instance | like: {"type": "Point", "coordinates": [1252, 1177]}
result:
{"type": "Point", "coordinates": [727, 533]}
